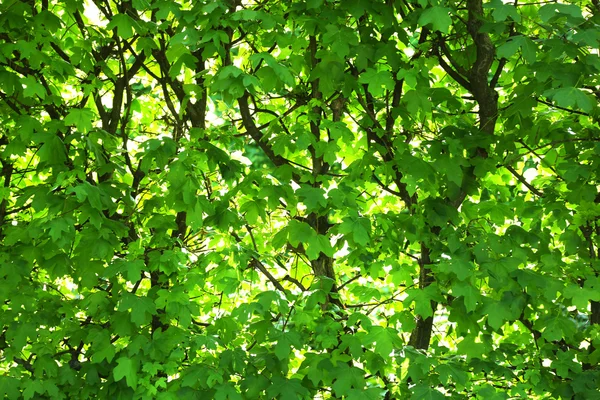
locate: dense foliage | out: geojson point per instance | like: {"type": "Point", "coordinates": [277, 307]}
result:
{"type": "Point", "coordinates": [358, 199]}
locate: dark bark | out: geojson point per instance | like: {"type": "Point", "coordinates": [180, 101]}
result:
{"type": "Point", "coordinates": [588, 233]}
{"type": "Point", "coordinates": [595, 313]}
{"type": "Point", "coordinates": [7, 170]}
{"type": "Point", "coordinates": [487, 99]}
{"type": "Point", "coordinates": [323, 266]}
{"type": "Point", "coordinates": [486, 96]}
{"type": "Point", "coordinates": [420, 337]}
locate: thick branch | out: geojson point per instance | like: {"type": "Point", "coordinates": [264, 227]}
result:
{"type": "Point", "coordinates": [486, 97]}
{"type": "Point", "coordinates": [256, 134]}
{"type": "Point", "coordinates": [421, 335]}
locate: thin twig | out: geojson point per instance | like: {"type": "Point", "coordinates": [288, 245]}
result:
{"type": "Point", "coordinates": [355, 277]}
{"type": "Point", "coordinates": [295, 282]}
{"type": "Point", "coordinates": [562, 108]}
{"type": "Point", "coordinates": [522, 179]}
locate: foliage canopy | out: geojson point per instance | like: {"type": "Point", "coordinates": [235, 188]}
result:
{"type": "Point", "coordinates": [316, 199]}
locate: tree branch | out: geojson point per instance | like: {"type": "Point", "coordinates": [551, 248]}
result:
{"type": "Point", "coordinates": [562, 108]}
{"type": "Point", "coordinates": [522, 179]}
{"type": "Point", "coordinates": [256, 134]}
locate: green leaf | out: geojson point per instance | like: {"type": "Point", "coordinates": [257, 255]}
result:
{"type": "Point", "coordinates": [11, 83]}
{"type": "Point", "coordinates": [425, 392]}
{"type": "Point", "coordinates": [103, 351]}
{"type": "Point", "coordinates": [254, 209]}
{"type": "Point", "coordinates": [32, 88]}
{"type": "Point", "coordinates": [88, 192]}
{"type": "Point", "coordinates": [529, 50]}
{"type": "Point", "coordinates": [52, 151]}
{"type": "Point", "coordinates": [366, 394]}
{"type": "Point", "coordinates": [287, 389]}
{"type": "Point", "coordinates": [281, 72]}
{"type": "Point", "coordinates": [284, 344]}
{"type": "Point", "coordinates": [227, 328]}
{"type": "Point", "coordinates": [557, 327]}
{"type": "Point", "coordinates": [358, 228]}
{"type": "Point", "coordinates": [501, 11]}
{"type": "Point", "coordinates": [487, 391]}
{"type": "Point", "coordinates": [340, 39]}
{"type": "Point", "coordinates": [227, 391]}
{"type": "Point", "coordinates": [123, 23]}
{"type": "Point", "coordinates": [385, 339]}
{"type": "Point", "coordinates": [459, 267]}
{"type": "Point", "coordinates": [570, 97]}
{"type": "Point", "coordinates": [300, 232]}
{"type": "Point", "coordinates": [80, 118]}
{"type": "Point", "coordinates": [141, 308]}
{"type": "Point", "coordinates": [9, 387]}
{"type": "Point", "coordinates": [377, 81]}
{"type": "Point", "coordinates": [470, 295]}
{"type": "Point", "coordinates": [313, 198]}
{"type": "Point", "coordinates": [581, 296]}
{"type": "Point", "coordinates": [550, 11]}
{"type": "Point", "coordinates": [134, 270]}
{"type": "Point", "coordinates": [229, 82]}
{"type": "Point", "coordinates": [194, 376]}
{"type": "Point", "coordinates": [416, 101]}
{"type": "Point", "coordinates": [473, 349]}
{"type": "Point", "coordinates": [348, 378]}
{"type": "Point", "coordinates": [126, 368]}
{"type": "Point", "coordinates": [60, 227]}
{"type": "Point", "coordinates": [437, 17]}
{"type": "Point", "coordinates": [452, 373]}
{"type": "Point", "coordinates": [34, 386]}
{"type": "Point", "coordinates": [497, 314]}
{"type": "Point", "coordinates": [422, 299]}
{"type": "Point", "coordinates": [510, 47]}
{"type": "Point", "coordinates": [319, 244]}
{"type": "Point", "coordinates": [451, 169]}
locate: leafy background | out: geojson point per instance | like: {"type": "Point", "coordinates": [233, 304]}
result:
{"type": "Point", "coordinates": [323, 199]}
